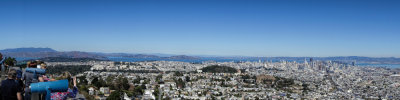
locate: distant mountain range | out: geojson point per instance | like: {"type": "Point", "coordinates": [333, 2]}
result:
{"type": "Point", "coordinates": [32, 50]}
{"type": "Point", "coordinates": [48, 52]}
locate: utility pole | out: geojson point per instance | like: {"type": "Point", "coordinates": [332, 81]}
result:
{"type": "Point", "coordinates": [160, 92]}
{"type": "Point", "coordinates": [122, 95]}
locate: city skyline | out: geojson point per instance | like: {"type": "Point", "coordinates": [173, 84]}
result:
{"type": "Point", "coordinates": [190, 27]}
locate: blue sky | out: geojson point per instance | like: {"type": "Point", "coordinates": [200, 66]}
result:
{"type": "Point", "coordinates": [206, 27]}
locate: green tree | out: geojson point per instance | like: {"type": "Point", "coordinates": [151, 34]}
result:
{"type": "Point", "coordinates": [219, 69]}
{"type": "Point", "coordinates": [110, 82]}
{"type": "Point", "coordinates": [98, 82]}
{"type": "Point", "coordinates": [121, 83]}
{"type": "Point", "coordinates": [137, 80]}
{"type": "Point", "coordinates": [158, 78]}
{"type": "Point", "coordinates": [82, 80]}
{"type": "Point", "coordinates": [187, 78]}
{"type": "Point", "coordinates": [10, 61]}
{"type": "Point", "coordinates": [156, 91]}
{"type": "Point", "coordinates": [94, 81]}
{"type": "Point", "coordinates": [73, 69]}
{"type": "Point", "coordinates": [116, 95]}
{"type": "Point", "coordinates": [180, 83]}
{"type": "Point", "coordinates": [139, 90]}
{"type": "Point", "coordinates": [177, 73]}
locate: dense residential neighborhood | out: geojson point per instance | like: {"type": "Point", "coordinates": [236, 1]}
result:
{"type": "Point", "coordinates": [172, 80]}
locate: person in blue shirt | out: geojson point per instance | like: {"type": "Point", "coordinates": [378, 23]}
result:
{"type": "Point", "coordinates": [29, 78]}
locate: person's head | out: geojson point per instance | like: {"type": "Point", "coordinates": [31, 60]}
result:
{"type": "Point", "coordinates": [43, 66]}
{"type": "Point", "coordinates": [67, 76]}
{"type": "Point", "coordinates": [38, 62]}
{"type": "Point", "coordinates": [32, 64]}
{"type": "Point", "coordinates": [12, 74]}
{"type": "Point", "coordinates": [28, 63]}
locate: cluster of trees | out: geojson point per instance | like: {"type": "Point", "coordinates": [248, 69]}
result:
{"type": "Point", "coordinates": [83, 87]}
{"type": "Point", "coordinates": [113, 82]}
{"type": "Point", "coordinates": [249, 79]}
{"type": "Point", "coordinates": [159, 79]}
{"type": "Point", "coordinates": [99, 82]}
{"type": "Point", "coordinates": [283, 82]}
{"type": "Point", "coordinates": [130, 71]}
{"type": "Point", "coordinates": [273, 69]}
{"type": "Point", "coordinates": [121, 86]}
{"type": "Point", "coordinates": [73, 69]}
{"type": "Point", "coordinates": [156, 92]}
{"type": "Point", "coordinates": [10, 61]}
{"type": "Point", "coordinates": [180, 83]}
{"type": "Point", "coordinates": [305, 88]}
{"type": "Point", "coordinates": [177, 73]}
{"type": "Point", "coordinates": [118, 83]}
{"type": "Point", "coordinates": [246, 76]}
{"type": "Point", "coordinates": [219, 69]}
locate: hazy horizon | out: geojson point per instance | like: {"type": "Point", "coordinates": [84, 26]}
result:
{"type": "Point", "coordinates": [199, 55]}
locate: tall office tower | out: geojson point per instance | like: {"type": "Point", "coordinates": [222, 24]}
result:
{"type": "Point", "coordinates": [319, 67]}
{"type": "Point", "coordinates": [312, 63]}
{"type": "Point", "coordinates": [305, 61]}
{"type": "Point", "coordinates": [353, 63]}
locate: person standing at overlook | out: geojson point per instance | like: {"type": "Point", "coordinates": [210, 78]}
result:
{"type": "Point", "coordinates": [72, 90]}
{"type": "Point", "coordinates": [31, 78]}
{"type": "Point", "coordinates": [2, 68]}
{"type": "Point", "coordinates": [1, 71]}
{"type": "Point", "coordinates": [10, 89]}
